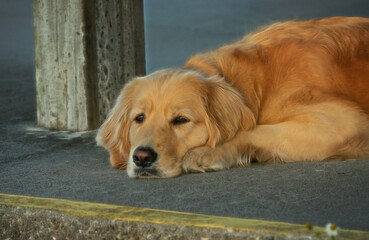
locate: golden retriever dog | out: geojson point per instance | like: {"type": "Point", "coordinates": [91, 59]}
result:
{"type": "Point", "coordinates": [290, 92]}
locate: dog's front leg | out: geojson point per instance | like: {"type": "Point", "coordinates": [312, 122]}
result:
{"type": "Point", "coordinates": [223, 156]}
{"type": "Point", "coordinates": [243, 149]}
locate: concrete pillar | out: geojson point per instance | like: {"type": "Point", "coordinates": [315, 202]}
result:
{"type": "Point", "coordinates": [85, 52]}
{"type": "Point", "coordinates": [120, 48]}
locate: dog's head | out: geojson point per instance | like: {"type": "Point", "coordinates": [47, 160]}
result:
{"type": "Point", "coordinates": [158, 118]}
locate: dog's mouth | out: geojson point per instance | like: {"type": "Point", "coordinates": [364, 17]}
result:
{"type": "Point", "coordinates": [147, 173]}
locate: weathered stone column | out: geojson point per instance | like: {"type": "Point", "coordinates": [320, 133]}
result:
{"type": "Point", "coordinates": [120, 47]}
{"type": "Point", "coordinates": [85, 52]}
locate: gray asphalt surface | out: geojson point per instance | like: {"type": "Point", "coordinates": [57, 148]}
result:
{"type": "Point", "coordinates": [43, 163]}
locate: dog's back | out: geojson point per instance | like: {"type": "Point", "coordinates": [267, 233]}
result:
{"type": "Point", "coordinates": [335, 54]}
{"type": "Point", "coordinates": [290, 58]}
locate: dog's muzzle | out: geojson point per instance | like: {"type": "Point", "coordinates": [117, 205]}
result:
{"type": "Point", "coordinates": [143, 158]}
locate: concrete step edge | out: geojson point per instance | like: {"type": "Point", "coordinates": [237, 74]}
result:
{"type": "Point", "coordinates": [42, 218]}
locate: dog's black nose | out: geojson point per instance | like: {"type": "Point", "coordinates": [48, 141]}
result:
{"type": "Point", "coordinates": [144, 156]}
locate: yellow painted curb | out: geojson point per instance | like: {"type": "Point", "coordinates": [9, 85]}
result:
{"type": "Point", "coordinates": [145, 215]}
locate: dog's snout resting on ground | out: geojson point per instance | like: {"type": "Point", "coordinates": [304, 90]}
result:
{"type": "Point", "coordinates": [144, 157]}
{"type": "Point", "coordinates": [293, 91]}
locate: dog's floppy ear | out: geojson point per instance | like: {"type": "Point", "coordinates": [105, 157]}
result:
{"type": "Point", "coordinates": [227, 111]}
{"type": "Point", "coordinates": [113, 134]}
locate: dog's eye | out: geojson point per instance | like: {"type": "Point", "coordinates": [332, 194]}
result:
{"type": "Point", "coordinates": [139, 118]}
{"type": "Point", "coordinates": [179, 120]}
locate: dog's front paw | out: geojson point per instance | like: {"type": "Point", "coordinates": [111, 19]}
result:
{"type": "Point", "coordinates": [202, 159]}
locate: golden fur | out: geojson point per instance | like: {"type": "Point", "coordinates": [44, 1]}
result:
{"type": "Point", "coordinates": [292, 91]}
